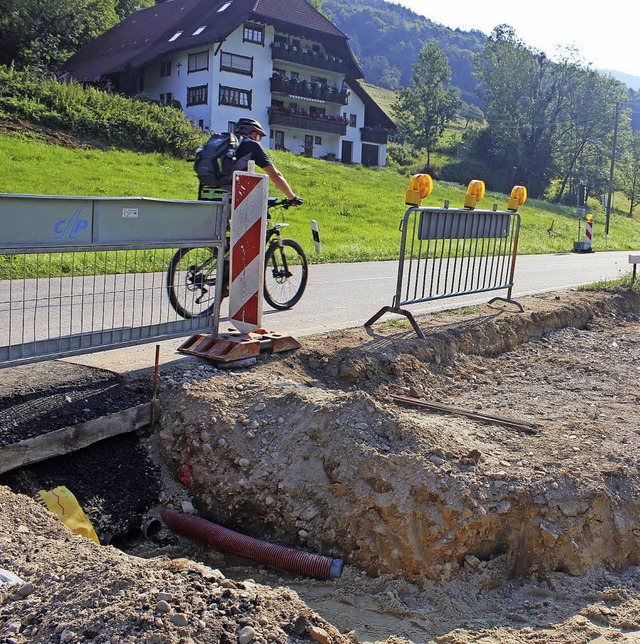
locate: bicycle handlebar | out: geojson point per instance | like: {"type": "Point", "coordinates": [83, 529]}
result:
{"type": "Point", "coordinates": [289, 203]}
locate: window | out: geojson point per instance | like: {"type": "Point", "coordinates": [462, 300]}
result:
{"type": "Point", "coordinates": [253, 33]}
{"type": "Point", "coordinates": [197, 95]}
{"type": "Point", "coordinates": [318, 140]}
{"type": "Point", "coordinates": [166, 98]}
{"type": "Point", "coordinates": [199, 30]}
{"type": "Point", "coordinates": [235, 63]}
{"type": "Point", "coordinates": [165, 68]}
{"type": "Point", "coordinates": [201, 124]}
{"type": "Point", "coordinates": [353, 119]}
{"type": "Point", "coordinates": [175, 36]}
{"type": "Point", "coordinates": [278, 135]}
{"type": "Point", "coordinates": [231, 127]}
{"type": "Point", "coordinates": [235, 97]}
{"type": "Point", "coordinates": [198, 61]}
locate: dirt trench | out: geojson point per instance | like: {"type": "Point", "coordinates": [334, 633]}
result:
{"type": "Point", "coordinates": [310, 450]}
{"type": "Point", "coordinates": [452, 529]}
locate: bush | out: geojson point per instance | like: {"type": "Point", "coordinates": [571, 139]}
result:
{"type": "Point", "coordinates": [133, 124]}
{"type": "Point", "coordinates": [400, 154]}
{"type": "Point", "coordinates": [463, 171]}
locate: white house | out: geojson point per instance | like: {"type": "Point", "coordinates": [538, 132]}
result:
{"type": "Point", "coordinates": [280, 62]}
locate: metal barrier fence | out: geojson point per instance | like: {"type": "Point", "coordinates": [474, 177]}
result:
{"type": "Point", "coordinates": [80, 274]}
{"type": "Point", "coordinates": [447, 253]}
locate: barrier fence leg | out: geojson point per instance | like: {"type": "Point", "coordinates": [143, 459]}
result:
{"type": "Point", "coordinates": [391, 309]}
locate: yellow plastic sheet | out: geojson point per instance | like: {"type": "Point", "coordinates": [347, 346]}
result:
{"type": "Point", "coordinates": [62, 503]}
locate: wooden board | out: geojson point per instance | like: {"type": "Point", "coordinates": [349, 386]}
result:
{"type": "Point", "coordinates": [75, 437]}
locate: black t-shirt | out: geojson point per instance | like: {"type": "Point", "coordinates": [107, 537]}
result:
{"type": "Point", "coordinates": [250, 150]}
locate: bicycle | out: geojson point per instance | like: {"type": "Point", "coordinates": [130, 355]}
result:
{"type": "Point", "coordinates": [192, 273]}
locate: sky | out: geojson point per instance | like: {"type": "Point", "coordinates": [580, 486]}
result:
{"type": "Point", "coordinates": [606, 34]}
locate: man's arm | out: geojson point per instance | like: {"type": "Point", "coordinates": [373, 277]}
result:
{"type": "Point", "coordinates": [279, 181]}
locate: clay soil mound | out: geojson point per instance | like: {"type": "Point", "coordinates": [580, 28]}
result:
{"type": "Point", "coordinates": [506, 512]}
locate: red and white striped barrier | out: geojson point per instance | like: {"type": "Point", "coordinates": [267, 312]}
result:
{"type": "Point", "coordinates": [248, 229]}
{"type": "Point", "coordinates": [588, 232]}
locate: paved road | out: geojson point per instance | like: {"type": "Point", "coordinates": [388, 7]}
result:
{"type": "Point", "coordinates": [341, 296]}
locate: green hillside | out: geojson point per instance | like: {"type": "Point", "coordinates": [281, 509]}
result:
{"type": "Point", "coordinates": [358, 209]}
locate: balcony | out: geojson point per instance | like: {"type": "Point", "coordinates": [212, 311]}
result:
{"type": "Point", "coordinates": [309, 58]}
{"type": "Point", "coordinates": [377, 135]}
{"type": "Point", "coordinates": [303, 120]}
{"type": "Point", "coordinates": [306, 89]}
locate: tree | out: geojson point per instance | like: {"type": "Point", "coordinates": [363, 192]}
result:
{"type": "Point", "coordinates": [582, 146]}
{"type": "Point", "coordinates": [125, 8]}
{"type": "Point", "coordinates": [378, 67]}
{"type": "Point", "coordinates": [630, 173]}
{"type": "Point", "coordinates": [45, 33]}
{"type": "Point", "coordinates": [526, 94]}
{"type": "Point", "coordinates": [424, 108]}
{"type": "Point", "coordinates": [469, 112]}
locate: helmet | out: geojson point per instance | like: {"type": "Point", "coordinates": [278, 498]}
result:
{"type": "Point", "coordinates": [246, 126]}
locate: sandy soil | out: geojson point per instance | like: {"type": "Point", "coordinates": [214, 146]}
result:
{"type": "Point", "coordinates": [509, 514]}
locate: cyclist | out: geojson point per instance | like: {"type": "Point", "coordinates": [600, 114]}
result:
{"type": "Point", "coordinates": [250, 149]}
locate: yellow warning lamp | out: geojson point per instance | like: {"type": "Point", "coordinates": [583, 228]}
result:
{"type": "Point", "coordinates": [589, 217]}
{"type": "Point", "coordinates": [518, 197]}
{"type": "Point", "coordinates": [475, 193]}
{"type": "Point", "coordinates": [420, 187]}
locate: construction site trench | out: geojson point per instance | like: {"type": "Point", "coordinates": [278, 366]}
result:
{"type": "Point", "coordinates": [481, 485]}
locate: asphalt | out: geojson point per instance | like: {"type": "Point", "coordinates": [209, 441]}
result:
{"type": "Point", "coordinates": [341, 296]}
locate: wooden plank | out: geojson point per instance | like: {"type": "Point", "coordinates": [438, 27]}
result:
{"type": "Point", "coordinates": [75, 437]}
{"type": "Point", "coordinates": [528, 428]}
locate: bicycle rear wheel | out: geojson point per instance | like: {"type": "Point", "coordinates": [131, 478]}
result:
{"type": "Point", "coordinates": [191, 281]}
{"type": "Point", "coordinates": [285, 273]}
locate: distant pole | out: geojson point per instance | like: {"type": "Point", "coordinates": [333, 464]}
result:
{"type": "Point", "coordinates": [613, 160]}
{"type": "Point", "coordinates": [316, 236]}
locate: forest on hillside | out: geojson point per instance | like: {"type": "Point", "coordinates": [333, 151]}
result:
{"type": "Point", "coordinates": [387, 38]}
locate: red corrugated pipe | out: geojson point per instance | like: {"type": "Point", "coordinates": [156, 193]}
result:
{"type": "Point", "coordinates": [295, 561]}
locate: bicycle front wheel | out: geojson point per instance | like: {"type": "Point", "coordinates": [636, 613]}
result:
{"type": "Point", "coordinates": [191, 281]}
{"type": "Point", "coordinates": [285, 273]}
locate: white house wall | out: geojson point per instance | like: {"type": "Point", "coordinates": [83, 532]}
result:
{"type": "Point", "coordinates": [215, 117]}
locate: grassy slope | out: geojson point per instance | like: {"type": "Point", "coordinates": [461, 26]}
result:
{"type": "Point", "coordinates": [358, 210]}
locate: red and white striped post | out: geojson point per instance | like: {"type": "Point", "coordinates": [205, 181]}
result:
{"type": "Point", "coordinates": [248, 229]}
{"type": "Point", "coordinates": [588, 232]}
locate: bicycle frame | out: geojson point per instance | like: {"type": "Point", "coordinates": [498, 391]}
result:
{"type": "Point", "coordinates": [284, 261]}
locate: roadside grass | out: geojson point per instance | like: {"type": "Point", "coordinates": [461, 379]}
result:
{"type": "Point", "coordinates": [624, 283]}
{"type": "Point", "coordinates": [358, 210]}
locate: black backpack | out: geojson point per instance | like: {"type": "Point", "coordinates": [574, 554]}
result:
{"type": "Point", "coordinates": [215, 160]}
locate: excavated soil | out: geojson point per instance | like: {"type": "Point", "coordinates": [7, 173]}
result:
{"type": "Point", "coordinates": [508, 514]}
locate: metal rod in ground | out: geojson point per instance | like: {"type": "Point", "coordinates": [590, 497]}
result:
{"type": "Point", "coordinates": [316, 235]}
{"type": "Point", "coordinates": [529, 428]}
{"type": "Point", "coordinates": [154, 396]}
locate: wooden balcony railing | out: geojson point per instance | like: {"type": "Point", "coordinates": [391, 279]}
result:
{"type": "Point", "coordinates": [377, 135]}
{"type": "Point", "coordinates": [311, 122]}
{"type": "Point", "coordinates": [309, 58]}
{"type": "Point", "coordinates": [308, 89]}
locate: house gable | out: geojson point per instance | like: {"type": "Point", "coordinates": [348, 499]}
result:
{"type": "Point", "coordinates": [279, 61]}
